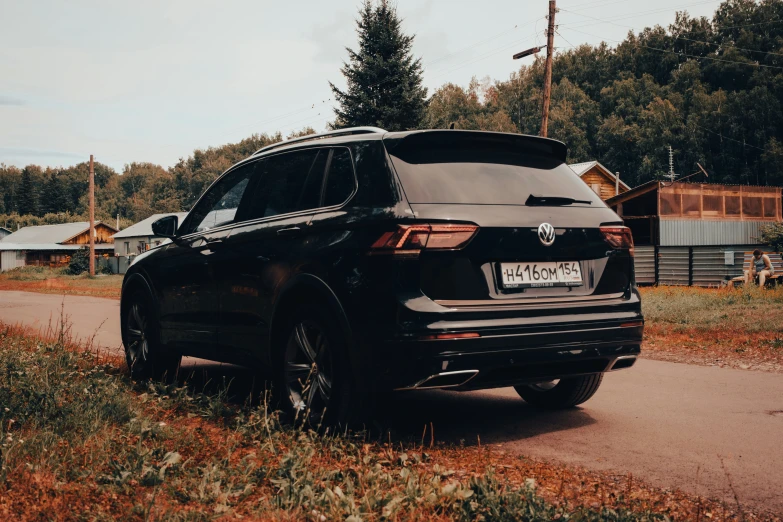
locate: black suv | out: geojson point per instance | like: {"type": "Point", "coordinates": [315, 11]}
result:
{"type": "Point", "coordinates": [360, 261]}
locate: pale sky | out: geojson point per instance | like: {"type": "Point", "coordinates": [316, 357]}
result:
{"type": "Point", "coordinates": [153, 80]}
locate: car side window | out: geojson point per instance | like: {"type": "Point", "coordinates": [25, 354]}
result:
{"type": "Point", "coordinates": [340, 181]}
{"type": "Point", "coordinates": [289, 182]}
{"type": "Point", "coordinates": [219, 206]}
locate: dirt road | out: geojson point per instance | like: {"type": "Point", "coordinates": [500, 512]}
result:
{"type": "Point", "coordinates": [705, 430]}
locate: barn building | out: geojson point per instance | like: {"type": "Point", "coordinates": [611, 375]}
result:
{"type": "Point", "coordinates": [695, 233]}
{"type": "Point", "coordinates": [52, 245]}
{"type": "Point", "coordinates": [600, 179]}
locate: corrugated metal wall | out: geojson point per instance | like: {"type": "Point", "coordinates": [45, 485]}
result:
{"type": "Point", "coordinates": [673, 265]}
{"type": "Point", "coordinates": [697, 266]}
{"type": "Point", "coordinates": [694, 232]}
{"type": "Point", "coordinates": [644, 264]}
{"type": "Point", "coordinates": [10, 259]}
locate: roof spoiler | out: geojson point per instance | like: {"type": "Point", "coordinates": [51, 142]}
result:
{"type": "Point", "coordinates": [533, 145]}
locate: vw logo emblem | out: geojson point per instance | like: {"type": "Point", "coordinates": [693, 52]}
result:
{"type": "Point", "coordinates": [546, 233]}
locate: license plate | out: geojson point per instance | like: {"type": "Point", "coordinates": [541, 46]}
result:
{"type": "Point", "coordinates": [535, 275]}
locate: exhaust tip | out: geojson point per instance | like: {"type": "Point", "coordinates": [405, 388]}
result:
{"type": "Point", "coordinates": [443, 380]}
{"type": "Point", "coordinates": [624, 361]}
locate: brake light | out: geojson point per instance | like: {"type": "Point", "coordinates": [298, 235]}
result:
{"type": "Point", "coordinates": [619, 238]}
{"type": "Point", "coordinates": [425, 236]}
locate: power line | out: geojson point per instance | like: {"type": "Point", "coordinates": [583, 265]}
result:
{"type": "Point", "coordinates": [670, 51]}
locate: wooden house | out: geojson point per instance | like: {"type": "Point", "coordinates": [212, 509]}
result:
{"type": "Point", "coordinates": [600, 179]}
{"type": "Point", "coordinates": [52, 245]}
{"type": "Point", "coordinates": [695, 233]}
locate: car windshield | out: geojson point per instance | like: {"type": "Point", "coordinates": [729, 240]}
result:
{"type": "Point", "coordinates": [487, 176]}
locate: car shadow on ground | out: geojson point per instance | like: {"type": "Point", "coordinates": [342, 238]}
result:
{"type": "Point", "coordinates": [455, 417]}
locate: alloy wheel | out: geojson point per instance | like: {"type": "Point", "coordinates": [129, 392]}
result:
{"type": "Point", "coordinates": [309, 370]}
{"type": "Point", "coordinates": [138, 345]}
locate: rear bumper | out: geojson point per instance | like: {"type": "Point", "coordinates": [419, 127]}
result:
{"type": "Point", "coordinates": [511, 348]}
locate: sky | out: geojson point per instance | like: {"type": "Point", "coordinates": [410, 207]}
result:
{"type": "Point", "coordinates": [154, 80]}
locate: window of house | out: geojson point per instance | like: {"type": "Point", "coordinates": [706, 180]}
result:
{"type": "Point", "coordinates": [127, 247]}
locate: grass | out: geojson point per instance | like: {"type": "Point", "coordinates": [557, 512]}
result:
{"type": "Point", "coordinates": [748, 310]}
{"type": "Point", "coordinates": [740, 328]}
{"type": "Point", "coordinates": [56, 281]}
{"type": "Point", "coordinates": [80, 441]}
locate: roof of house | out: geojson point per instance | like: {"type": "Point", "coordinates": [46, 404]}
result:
{"type": "Point", "coordinates": [48, 237]}
{"type": "Point", "coordinates": [582, 168]}
{"type": "Point", "coordinates": [55, 247]}
{"type": "Point", "coordinates": [144, 227]}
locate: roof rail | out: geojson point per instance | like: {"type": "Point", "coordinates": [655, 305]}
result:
{"type": "Point", "coordinates": [330, 134]}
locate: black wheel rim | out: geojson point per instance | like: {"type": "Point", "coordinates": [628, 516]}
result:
{"type": "Point", "coordinates": [308, 371]}
{"type": "Point", "coordinates": [138, 345]}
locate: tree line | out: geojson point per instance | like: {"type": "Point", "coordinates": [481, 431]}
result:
{"type": "Point", "coordinates": [711, 88]}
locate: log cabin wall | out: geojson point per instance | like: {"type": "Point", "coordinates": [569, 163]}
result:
{"type": "Point", "coordinates": [103, 234]}
{"type": "Point", "coordinates": [596, 179]}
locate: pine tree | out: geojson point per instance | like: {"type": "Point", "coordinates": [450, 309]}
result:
{"type": "Point", "coordinates": [27, 196]}
{"type": "Point", "coordinates": [384, 80]}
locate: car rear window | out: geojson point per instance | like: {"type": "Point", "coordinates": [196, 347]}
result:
{"type": "Point", "coordinates": [485, 174]}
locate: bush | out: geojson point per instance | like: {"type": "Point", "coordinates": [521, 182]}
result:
{"type": "Point", "coordinates": [80, 262]}
{"type": "Point", "coordinates": [772, 235]}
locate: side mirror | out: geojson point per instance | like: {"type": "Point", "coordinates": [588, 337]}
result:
{"type": "Point", "coordinates": [166, 227]}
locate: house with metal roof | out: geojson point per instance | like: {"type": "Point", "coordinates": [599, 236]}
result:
{"type": "Point", "coordinates": [695, 233]}
{"type": "Point", "coordinates": [603, 182]}
{"type": "Point", "coordinates": [4, 232]}
{"type": "Point", "coordinates": [139, 238]}
{"type": "Point", "coordinates": [52, 245]}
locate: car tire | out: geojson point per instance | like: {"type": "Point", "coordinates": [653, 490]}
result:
{"type": "Point", "coordinates": [144, 354]}
{"type": "Point", "coordinates": [565, 393]}
{"type": "Point", "coordinates": [313, 382]}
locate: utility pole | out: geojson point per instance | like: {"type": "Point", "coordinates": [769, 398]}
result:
{"type": "Point", "coordinates": [550, 41]}
{"type": "Point", "coordinates": [92, 218]}
{"type": "Point", "coordinates": [672, 175]}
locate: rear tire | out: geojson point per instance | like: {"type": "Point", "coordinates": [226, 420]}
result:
{"type": "Point", "coordinates": [566, 393]}
{"type": "Point", "coordinates": [145, 356]}
{"type": "Point", "coordinates": [313, 383]}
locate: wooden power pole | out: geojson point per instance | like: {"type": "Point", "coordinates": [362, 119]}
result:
{"type": "Point", "coordinates": [92, 218]}
{"type": "Point", "coordinates": [550, 48]}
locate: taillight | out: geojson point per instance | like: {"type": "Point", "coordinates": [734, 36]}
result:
{"type": "Point", "coordinates": [619, 238]}
{"type": "Point", "coordinates": [409, 238]}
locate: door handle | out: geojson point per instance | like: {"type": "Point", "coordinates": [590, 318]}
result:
{"type": "Point", "coordinates": [213, 240]}
{"type": "Point", "coordinates": [289, 231]}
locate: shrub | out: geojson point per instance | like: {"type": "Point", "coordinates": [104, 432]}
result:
{"type": "Point", "coordinates": [772, 235]}
{"type": "Point", "coordinates": [80, 262]}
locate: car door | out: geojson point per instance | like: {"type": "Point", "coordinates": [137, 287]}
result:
{"type": "Point", "coordinates": [189, 311]}
{"type": "Point", "coordinates": [261, 254]}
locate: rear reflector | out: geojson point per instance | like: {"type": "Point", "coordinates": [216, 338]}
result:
{"type": "Point", "coordinates": [619, 238]}
{"type": "Point", "coordinates": [470, 335]}
{"type": "Point", "coordinates": [426, 236]}
{"type": "Point", "coordinates": [632, 324]}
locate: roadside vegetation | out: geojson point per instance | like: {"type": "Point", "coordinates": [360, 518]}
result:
{"type": "Point", "coordinates": [79, 441]}
{"type": "Point", "coordinates": [741, 327]}
{"type": "Point", "coordinates": [59, 281]}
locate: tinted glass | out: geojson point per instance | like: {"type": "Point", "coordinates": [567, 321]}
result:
{"type": "Point", "coordinates": [219, 205]}
{"type": "Point", "coordinates": [485, 175]}
{"type": "Point", "coordinates": [289, 182]}
{"type": "Point", "coordinates": [340, 180]}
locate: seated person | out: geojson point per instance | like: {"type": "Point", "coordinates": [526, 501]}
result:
{"type": "Point", "coordinates": [760, 266]}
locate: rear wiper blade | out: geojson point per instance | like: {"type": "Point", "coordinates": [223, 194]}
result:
{"type": "Point", "coordinates": [552, 201]}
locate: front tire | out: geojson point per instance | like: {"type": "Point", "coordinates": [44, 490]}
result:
{"type": "Point", "coordinates": [562, 393]}
{"type": "Point", "coordinates": [144, 354]}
